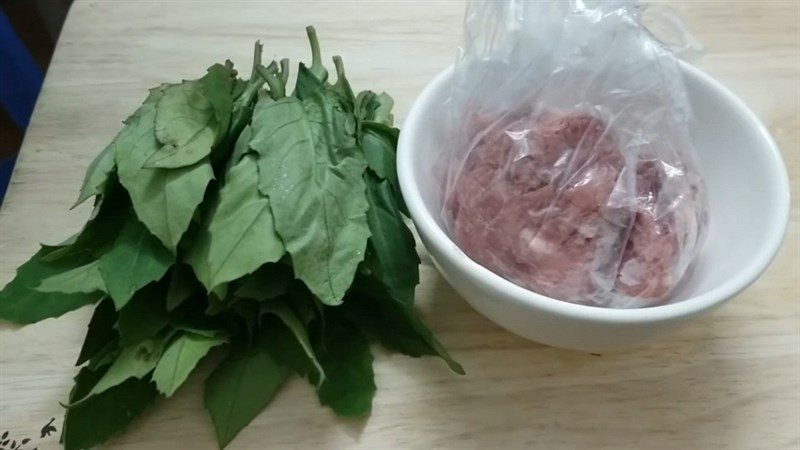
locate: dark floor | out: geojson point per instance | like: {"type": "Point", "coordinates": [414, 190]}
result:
{"type": "Point", "coordinates": [28, 33]}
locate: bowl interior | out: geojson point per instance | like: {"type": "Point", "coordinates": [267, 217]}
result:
{"type": "Point", "coordinates": [744, 174]}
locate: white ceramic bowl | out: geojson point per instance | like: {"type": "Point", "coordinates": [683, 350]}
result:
{"type": "Point", "coordinates": [748, 191]}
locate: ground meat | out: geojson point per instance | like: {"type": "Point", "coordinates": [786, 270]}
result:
{"type": "Point", "coordinates": [552, 203]}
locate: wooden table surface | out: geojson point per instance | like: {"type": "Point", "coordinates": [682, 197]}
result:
{"type": "Point", "coordinates": [729, 380]}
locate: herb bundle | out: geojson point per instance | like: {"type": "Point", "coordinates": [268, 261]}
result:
{"type": "Point", "coordinates": [235, 214]}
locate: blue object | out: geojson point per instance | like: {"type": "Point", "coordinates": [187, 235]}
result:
{"type": "Point", "coordinates": [6, 167]}
{"type": "Point", "coordinates": [20, 82]}
{"type": "Point", "coordinates": [20, 77]}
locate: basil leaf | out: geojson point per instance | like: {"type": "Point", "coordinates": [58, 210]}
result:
{"type": "Point", "coordinates": [106, 355]}
{"type": "Point", "coordinates": [379, 144]}
{"type": "Point", "coordinates": [21, 303]}
{"type": "Point", "coordinates": [180, 358]}
{"type": "Point", "coordinates": [111, 210]}
{"type": "Point", "coordinates": [218, 302]}
{"type": "Point", "coordinates": [279, 308]}
{"type": "Point", "coordinates": [378, 139]}
{"type": "Point", "coordinates": [164, 199]}
{"type": "Point", "coordinates": [241, 147]}
{"type": "Point", "coordinates": [83, 279]}
{"type": "Point", "coordinates": [101, 168]}
{"type": "Point", "coordinates": [220, 87]}
{"type": "Point", "coordinates": [191, 118]}
{"type": "Point", "coordinates": [330, 113]}
{"type": "Point", "coordinates": [208, 333]}
{"type": "Point", "coordinates": [317, 198]}
{"type": "Point", "coordinates": [396, 325]}
{"type": "Point", "coordinates": [100, 331]}
{"type": "Point", "coordinates": [395, 262]}
{"type": "Point", "coordinates": [379, 151]}
{"type": "Point", "coordinates": [376, 108]}
{"type": "Point", "coordinates": [249, 313]}
{"type": "Point", "coordinates": [136, 259]}
{"type": "Point", "coordinates": [268, 282]}
{"type": "Point", "coordinates": [241, 233]}
{"type": "Point", "coordinates": [136, 361]}
{"type": "Point", "coordinates": [143, 316]}
{"type": "Point", "coordinates": [106, 414]}
{"type": "Point", "coordinates": [97, 174]}
{"type": "Point", "coordinates": [305, 306]}
{"type": "Point", "coordinates": [240, 387]}
{"type": "Point", "coordinates": [277, 339]}
{"type": "Point", "coordinates": [349, 385]}
{"type": "Point", "coordinates": [239, 85]}
{"type": "Point", "coordinates": [181, 286]}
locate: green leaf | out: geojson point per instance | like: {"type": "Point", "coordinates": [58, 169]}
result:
{"type": "Point", "coordinates": [341, 88]}
{"type": "Point", "coordinates": [268, 282]}
{"type": "Point", "coordinates": [241, 147]}
{"type": "Point", "coordinates": [245, 94]}
{"type": "Point", "coordinates": [395, 262]}
{"type": "Point", "coordinates": [209, 333]}
{"type": "Point", "coordinates": [136, 361]}
{"type": "Point", "coordinates": [219, 86]}
{"type": "Point", "coordinates": [307, 307]}
{"type": "Point", "coordinates": [241, 233]}
{"type": "Point", "coordinates": [191, 118]}
{"type": "Point", "coordinates": [181, 286]}
{"type": "Point", "coordinates": [379, 151]}
{"type": "Point", "coordinates": [279, 308]}
{"type": "Point", "coordinates": [84, 279]}
{"type": "Point", "coordinates": [143, 316]}
{"type": "Point", "coordinates": [349, 385]}
{"type": "Point", "coordinates": [136, 259]}
{"type": "Point", "coordinates": [378, 139]}
{"type": "Point", "coordinates": [277, 339]}
{"type": "Point", "coordinates": [248, 311]}
{"type": "Point", "coordinates": [100, 331]}
{"type": "Point", "coordinates": [218, 301]}
{"type": "Point", "coordinates": [238, 87]}
{"type": "Point", "coordinates": [379, 144]}
{"type": "Point", "coordinates": [101, 168]}
{"type": "Point", "coordinates": [396, 325]}
{"type": "Point", "coordinates": [372, 107]}
{"type": "Point", "coordinates": [317, 196]}
{"type": "Point", "coordinates": [20, 302]}
{"type": "Point", "coordinates": [111, 210]}
{"type": "Point", "coordinates": [164, 199]}
{"type": "Point", "coordinates": [106, 355]}
{"type": "Point", "coordinates": [242, 385]}
{"type": "Point", "coordinates": [98, 174]}
{"type": "Point", "coordinates": [104, 415]}
{"type": "Point", "coordinates": [330, 113]}
{"type": "Point", "coordinates": [180, 358]}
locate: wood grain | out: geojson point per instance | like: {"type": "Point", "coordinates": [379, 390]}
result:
{"type": "Point", "coordinates": [729, 380]}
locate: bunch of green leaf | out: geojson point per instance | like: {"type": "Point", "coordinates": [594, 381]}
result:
{"type": "Point", "coordinates": [233, 214]}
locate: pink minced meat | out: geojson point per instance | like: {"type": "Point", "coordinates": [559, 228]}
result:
{"type": "Point", "coordinates": [546, 201]}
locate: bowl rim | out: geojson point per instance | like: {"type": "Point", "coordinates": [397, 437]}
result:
{"type": "Point", "coordinates": [523, 297]}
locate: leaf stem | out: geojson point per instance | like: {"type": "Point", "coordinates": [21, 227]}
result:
{"type": "Point", "coordinates": [255, 83]}
{"type": "Point", "coordinates": [284, 71]}
{"type": "Point", "coordinates": [341, 78]}
{"type": "Point", "coordinates": [337, 61]}
{"type": "Point", "coordinates": [277, 89]}
{"type": "Point", "coordinates": [316, 55]}
{"type": "Point", "coordinates": [257, 51]}
{"type": "Point", "coordinates": [272, 67]}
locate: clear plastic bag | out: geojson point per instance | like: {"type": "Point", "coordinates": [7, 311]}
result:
{"type": "Point", "coordinates": [572, 172]}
